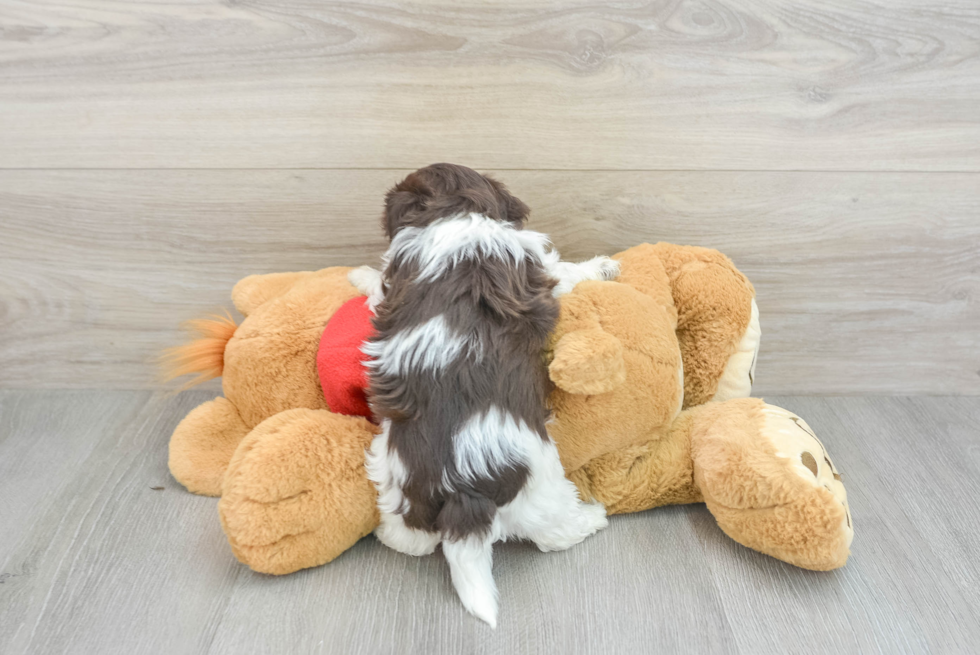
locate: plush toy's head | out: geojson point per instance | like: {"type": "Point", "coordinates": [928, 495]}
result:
{"type": "Point", "coordinates": [614, 354]}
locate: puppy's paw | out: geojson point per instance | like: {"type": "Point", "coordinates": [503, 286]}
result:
{"type": "Point", "coordinates": [368, 281]}
{"type": "Point", "coordinates": [594, 517]}
{"type": "Point", "coordinates": [606, 268]}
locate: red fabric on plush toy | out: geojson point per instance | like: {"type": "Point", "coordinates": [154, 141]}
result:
{"type": "Point", "coordinates": [340, 362]}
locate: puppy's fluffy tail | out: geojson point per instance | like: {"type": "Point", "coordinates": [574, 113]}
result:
{"type": "Point", "coordinates": [204, 354]}
{"type": "Point", "coordinates": [471, 563]}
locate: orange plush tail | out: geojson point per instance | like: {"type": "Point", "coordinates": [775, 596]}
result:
{"type": "Point", "coordinates": [204, 355]}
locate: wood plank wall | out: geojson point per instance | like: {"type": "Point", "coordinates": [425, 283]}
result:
{"type": "Point", "coordinates": [152, 153]}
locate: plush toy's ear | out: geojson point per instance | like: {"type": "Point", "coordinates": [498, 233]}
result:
{"type": "Point", "coordinates": [588, 362]}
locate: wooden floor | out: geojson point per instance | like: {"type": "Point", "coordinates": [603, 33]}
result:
{"type": "Point", "coordinates": [101, 551]}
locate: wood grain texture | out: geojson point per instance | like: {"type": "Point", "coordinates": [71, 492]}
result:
{"type": "Point", "coordinates": [867, 283]}
{"type": "Point", "coordinates": [566, 84]}
{"type": "Point", "coordinates": [910, 508]}
{"type": "Point", "coordinates": [93, 559]}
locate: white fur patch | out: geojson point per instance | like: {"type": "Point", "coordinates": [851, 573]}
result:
{"type": "Point", "coordinates": [387, 471]}
{"type": "Point", "coordinates": [368, 281]}
{"type": "Point", "coordinates": [490, 442]}
{"type": "Point", "coordinates": [445, 243]}
{"type": "Point", "coordinates": [471, 565]}
{"type": "Point", "coordinates": [394, 534]}
{"type": "Point", "coordinates": [548, 510]}
{"type": "Point", "coordinates": [430, 346]}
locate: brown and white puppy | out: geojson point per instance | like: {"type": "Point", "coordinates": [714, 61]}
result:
{"type": "Point", "coordinates": [463, 312]}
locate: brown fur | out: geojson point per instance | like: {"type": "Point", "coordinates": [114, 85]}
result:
{"type": "Point", "coordinates": [442, 190]}
{"type": "Point", "coordinates": [506, 307]}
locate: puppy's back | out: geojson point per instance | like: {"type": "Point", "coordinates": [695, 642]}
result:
{"type": "Point", "coordinates": [458, 368]}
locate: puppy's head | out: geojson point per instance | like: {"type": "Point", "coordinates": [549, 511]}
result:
{"type": "Point", "coordinates": [443, 190]}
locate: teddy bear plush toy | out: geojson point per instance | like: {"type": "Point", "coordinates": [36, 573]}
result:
{"type": "Point", "coordinates": [652, 375]}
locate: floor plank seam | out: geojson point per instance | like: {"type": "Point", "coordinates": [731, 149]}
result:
{"type": "Point", "coordinates": [802, 171]}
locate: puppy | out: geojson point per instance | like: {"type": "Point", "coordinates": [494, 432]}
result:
{"type": "Point", "coordinates": [463, 313]}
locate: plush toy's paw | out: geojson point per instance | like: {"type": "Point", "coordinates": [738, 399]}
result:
{"type": "Point", "coordinates": [795, 441]}
{"type": "Point", "coordinates": [296, 493]}
{"type": "Point", "coordinates": [770, 484]}
{"type": "Point", "coordinates": [203, 444]}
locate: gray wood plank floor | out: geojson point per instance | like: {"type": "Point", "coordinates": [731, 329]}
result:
{"type": "Point", "coordinates": [94, 560]}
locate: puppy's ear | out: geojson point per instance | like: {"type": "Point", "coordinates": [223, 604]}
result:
{"type": "Point", "coordinates": [514, 211]}
{"type": "Point", "coordinates": [404, 201]}
{"type": "Point", "coordinates": [517, 211]}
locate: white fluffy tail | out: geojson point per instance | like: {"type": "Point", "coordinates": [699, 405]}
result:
{"type": "Point", "coordinates": [471, 563]}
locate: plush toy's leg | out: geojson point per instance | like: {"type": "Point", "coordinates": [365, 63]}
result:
{"type": "Point", "coordinates": [770, 483]}
{"type": "Point", "coordinates": [640, 477]}
{"type": "Point", "coordinates": [296, 493]}
{"type": "Point", "coordinates": [202, 445]}
{"type": "Point", "coordinates": [717, 320]}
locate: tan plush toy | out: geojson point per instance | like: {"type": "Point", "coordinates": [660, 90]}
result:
{"type": "Point", "coordinates": [652, 374]}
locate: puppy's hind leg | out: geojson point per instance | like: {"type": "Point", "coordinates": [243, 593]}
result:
{"type": "Point", "coordinates": [471, 563]}
{"type": "Point", "coordinates": [548, 511]}
{"type": "Point", "coordinates": [387, 471]}
{"type": "Point", "coordinates": [393, 533]}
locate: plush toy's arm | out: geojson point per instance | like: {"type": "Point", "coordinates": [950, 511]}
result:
{"type": "Point", "coordinates": [715, 306]}
{"type": "Point", "coordinates": [254, 290]}
{"type": "Point", "coordinates": [587, 359]}
{"type": "Point", "coordinates": [607, 332]}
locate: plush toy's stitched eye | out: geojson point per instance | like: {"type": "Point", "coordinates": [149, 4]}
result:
{"type": "Point", "coordinates": [809, 461]}
{"type": "Point", "coordinates": [831, 465]}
